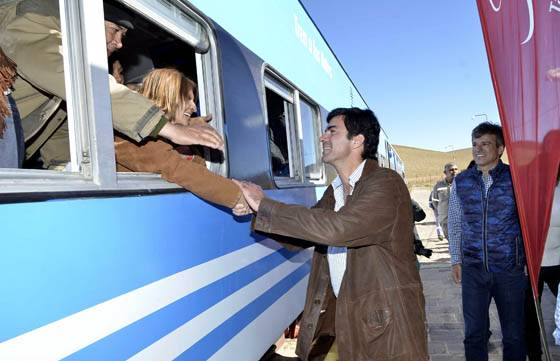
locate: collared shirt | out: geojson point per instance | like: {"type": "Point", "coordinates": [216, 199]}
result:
{"type": "Point", "coordinates": [336, 256]}
{"type": "Point", "coordinates": [455, 217]}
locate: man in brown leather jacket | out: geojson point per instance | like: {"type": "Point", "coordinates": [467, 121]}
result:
{"type": "Point", "coordinates": [364, 287]}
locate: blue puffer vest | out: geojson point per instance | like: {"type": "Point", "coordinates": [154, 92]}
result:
{"type": "Point", "coordinates": [491, 234]}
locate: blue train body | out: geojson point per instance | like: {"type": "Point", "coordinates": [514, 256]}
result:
{"type": "Point", "coordinates": [99, 265]}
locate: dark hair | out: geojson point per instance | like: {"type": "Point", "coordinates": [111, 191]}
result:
{"type": "Point", "coordinates": [360, 121]}
{"type": "Point", "coordinates": [489, 128]}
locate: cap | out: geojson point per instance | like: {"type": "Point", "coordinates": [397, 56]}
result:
{"type": "Point", "coordinates": [136, 66]}
{"type": "Point", "coordinates": [118, 16]}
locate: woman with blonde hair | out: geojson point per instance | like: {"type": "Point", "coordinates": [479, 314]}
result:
{"type": "Point", "coordinates": [175, 94]}
{"type": "Point", "coordinates": [172, 92]}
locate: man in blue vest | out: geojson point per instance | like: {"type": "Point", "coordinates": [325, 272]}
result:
{"type": "Point", "coordinates": [486, 247]}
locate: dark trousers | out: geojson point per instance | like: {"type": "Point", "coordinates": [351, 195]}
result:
{"type": "Point", "coordinates": [550, 276]}
{"type": "Point", "coordinates": [508, 291]}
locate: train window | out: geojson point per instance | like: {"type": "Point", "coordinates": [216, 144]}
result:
{"type": "Point", "coordinates": [167, 37]}
{"type": "Point", "coordinates": [72, 95]}
{"type": "Point", "coordinates": [36, 135]}
{"type": "Point", "coordinates": [309, 138]}
{"type": "Point", "coordinates": [293, 131]}
{"type": "Point", "coordinates": [60, 117]}
{"type": "Point", "coordinates": [280, 122]}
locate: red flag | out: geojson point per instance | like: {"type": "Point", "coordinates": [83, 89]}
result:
{"type": "Point", "coordinates": [523, 45]}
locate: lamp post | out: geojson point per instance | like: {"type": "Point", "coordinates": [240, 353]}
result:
{"type": "Point", "coordinates": [451, 149]}
{"type": "Point", "coordinates": [480, 115]}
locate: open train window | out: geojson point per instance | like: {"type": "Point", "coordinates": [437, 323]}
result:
{"type": "Point", "coordinates": [280, 122]}
{"type": "Point", "coordinates": [39, 131]}
{"type": "Point", "coordinates": [167, 36]}
{"type": "Point", "coordinates": [167, 32]}
{"type": "Point", "coordinates": [293, 134]}
{"type": "Point", "coordinates": [309, 139]}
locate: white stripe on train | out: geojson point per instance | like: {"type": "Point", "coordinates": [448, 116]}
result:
{"type": "Point", "coordinates": [70, 334]}
{"type": "Point", "coordinates": [181, 339]}
{"type": "Point", "coordinates": [275, 318]}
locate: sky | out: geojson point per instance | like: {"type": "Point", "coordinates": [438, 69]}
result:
{"type": "Point", "coordinates": [420, 65]}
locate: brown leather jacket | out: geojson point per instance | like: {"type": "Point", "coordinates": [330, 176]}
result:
{"type": "Point", "coordinates": [379, 313]}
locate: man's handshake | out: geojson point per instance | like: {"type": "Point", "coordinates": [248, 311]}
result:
{"type": "Point", "coordinates": [252, 193]}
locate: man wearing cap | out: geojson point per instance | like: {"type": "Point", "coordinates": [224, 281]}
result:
{"type": "Point", "coordinates": [439, 198]}
{"type": "Point", "coordinates": [30, 35]}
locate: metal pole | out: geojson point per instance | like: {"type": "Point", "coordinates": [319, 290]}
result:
{"type": "Point", "coordinates": [544, 342]}
{"type": "Point", "coordinates": [480, 115]}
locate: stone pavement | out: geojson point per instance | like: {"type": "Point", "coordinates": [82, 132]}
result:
{"type": "Point", "coordinates": [445, 319]}
{"type": "Point", "coordinates": [443, 300]}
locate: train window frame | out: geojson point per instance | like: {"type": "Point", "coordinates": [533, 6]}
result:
{"type": "Point", "coordinates": [277, 84]}
{"type": "Point", "coordinates": [92, 165]}
{"type": "Point", "coordinates": [88, 168]}
{"type": "Point", "coordinates": [284, 94]}
{"type": "Point", "coordinates": [315, 177]}
{"type": "Point", "coordinates": [208, 80]}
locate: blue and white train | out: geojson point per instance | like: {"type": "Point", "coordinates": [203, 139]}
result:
{"type": "Point", "coordinates": [101, 265]}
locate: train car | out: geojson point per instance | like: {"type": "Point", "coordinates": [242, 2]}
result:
{"type": "Point", "coordinates": [98, 264]}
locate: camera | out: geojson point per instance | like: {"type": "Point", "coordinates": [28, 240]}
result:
{"type": "Point", "coordinates": [420, 250]}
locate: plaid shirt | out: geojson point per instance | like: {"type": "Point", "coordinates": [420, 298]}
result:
{"type": "Point", "coordinates": [454, 220]}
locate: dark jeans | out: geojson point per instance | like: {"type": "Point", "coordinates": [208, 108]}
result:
{"type": "Point", "coordinates": [508, 291]}
{"type": "Point", "coordinates": [550, 276]}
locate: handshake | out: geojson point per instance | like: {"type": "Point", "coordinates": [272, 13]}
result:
{"type": "Point", "coordinates": [250, 200]}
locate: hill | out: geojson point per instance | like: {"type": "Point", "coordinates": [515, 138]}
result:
{"type": "Point", "coordinates": [424, 167]}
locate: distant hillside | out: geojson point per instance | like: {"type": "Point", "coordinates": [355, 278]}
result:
{"type": "Point", "coordinates": [425, 167]}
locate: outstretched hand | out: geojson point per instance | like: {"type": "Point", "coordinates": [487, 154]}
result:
{"type": "Point", "coordinates": [202, 120]}
{"type": "Point", "coordinates": [553, 74]}
{"type": "Point", "coordinates": [197, 134]}
{"type": "Point", "coordinates": [242, 208]}
{"type": "Point", "coordinates": [253, 193]}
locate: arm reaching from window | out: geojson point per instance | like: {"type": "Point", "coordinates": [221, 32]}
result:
{"type": "Point", "coordinates": [160, 157]}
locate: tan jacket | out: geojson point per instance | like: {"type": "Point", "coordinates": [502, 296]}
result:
{"type": "Point", "coordinates": [439, 200]}
{"type": "Point", "coordinates": [30, 36]}
{"type": "Point", "coordinates": [159, 157]}
{"type": "Point", "coordinates": [379, 314]}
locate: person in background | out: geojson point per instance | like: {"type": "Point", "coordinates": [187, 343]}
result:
{"type": "Point", "coordinates": [439, 199]}
{"type": "Point", "coordinates": [486, 247]}
{"type": "Point", "coordinates": [175, 95]}
{"type": "Point", "coordinates": [11, 133]}
{"type": "Point", "coordinates": [549, 274]}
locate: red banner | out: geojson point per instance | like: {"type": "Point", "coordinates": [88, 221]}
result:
{"type": "Point", "coordinates": [523, 45]}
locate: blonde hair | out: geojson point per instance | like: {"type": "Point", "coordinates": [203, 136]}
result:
{"type": "Point", "coordinates": [168, 88]}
